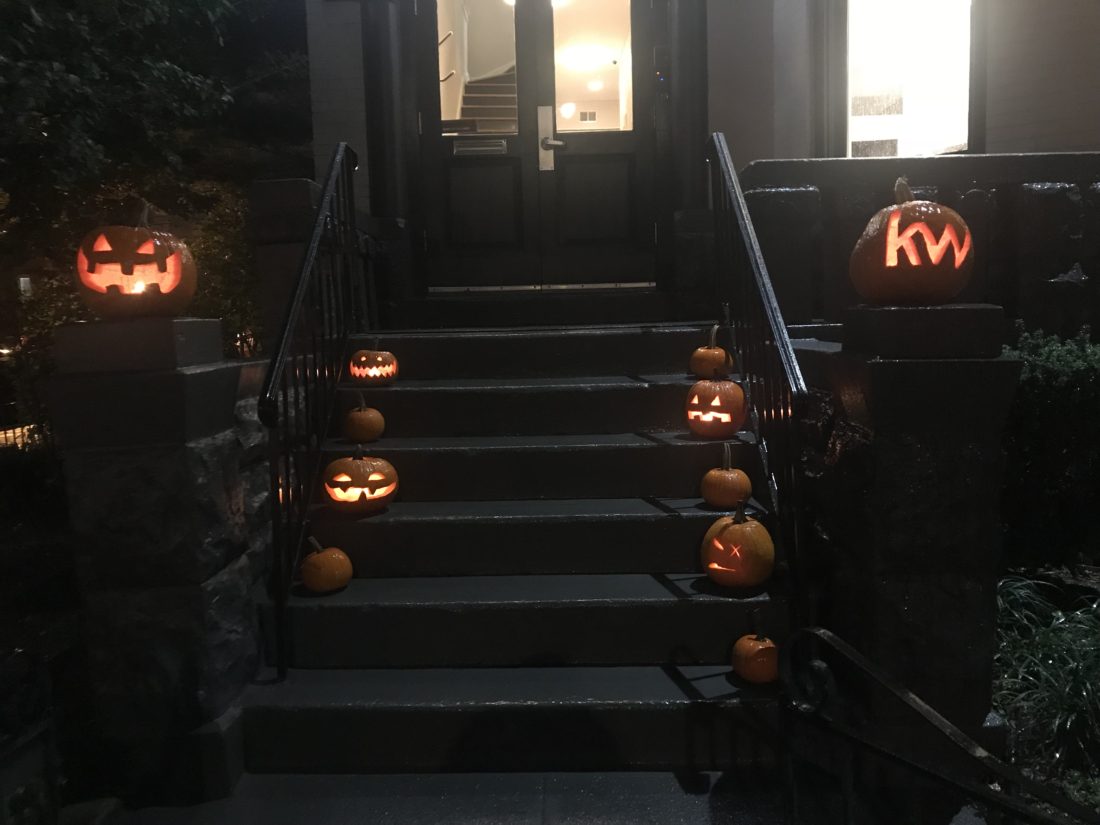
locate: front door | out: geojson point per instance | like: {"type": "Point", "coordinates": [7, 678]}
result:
{"type": "Point", "coordinates": [538, 143]}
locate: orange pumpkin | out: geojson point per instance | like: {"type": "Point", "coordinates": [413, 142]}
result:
{"type": "Point", "coordinates": [725, 486]}
{"type": "Point", "coordinates": [711, 361]}
{"type": "Point", "coordinates": [756, 659]}
{"type": "Point", "coordinates": [363, 423]}
{"type": "Point", "coordinates": [915, 253]}
{"type": "Point", "coordinates": [370, 366]}
{"type": "Point", "coordinates": [715, 409]}
{"type": "Point", "coordinates": [360, 484]}
{"type": "Point", "coordinates": [738, 551]}
{"type": "Point", "coordinates": [326, 569]}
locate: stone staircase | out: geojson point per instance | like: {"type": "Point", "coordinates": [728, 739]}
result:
{"type": "Point", "coordinates": [532, 602]}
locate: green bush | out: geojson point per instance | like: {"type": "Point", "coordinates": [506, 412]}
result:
{"type": "Point", "coordinates": [1053, 452]}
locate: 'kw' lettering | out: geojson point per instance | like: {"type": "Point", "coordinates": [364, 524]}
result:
{"type": "Point", "coordinates": [937, 247]}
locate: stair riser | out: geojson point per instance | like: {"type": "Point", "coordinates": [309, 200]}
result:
{"type": "Point", "coordinates": [540, 738]}
{"type": "Point", "coordinates": [508, 112]}
{"type": "Point", "coordinates": [490, 100]}
{"type": "Point", "coordinates": [518, 547]}
{"type": "Point", "coordinates": [566, 410]}
{"type": "Point", "coordinates": [527, 634]}
{"type": "Point", "coordinates": [652, 470]}
{"type": "Point", "coordinates": [541, 354]}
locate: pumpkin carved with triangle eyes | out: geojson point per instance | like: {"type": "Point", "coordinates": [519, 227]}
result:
{"type": "Point", "coordinates": [124, 271]}
{"type": "Point", "coordinates": [715, 409]}
{"type": "Point", "coordinates": [369, 366]}
{"type": "Point", "coordinates": [360, 484]}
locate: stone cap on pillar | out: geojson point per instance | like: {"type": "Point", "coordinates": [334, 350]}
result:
{"type": "Point", "coordinates": [137, 345]}
{"type": "Point", "coordinates": [949, 331]}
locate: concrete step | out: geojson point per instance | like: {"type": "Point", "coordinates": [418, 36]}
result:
{"type": "Point", "coordinates": [510, 468]}
{"type": "Point", "coordinates": [627, 349]}
{"type": "Point", "coordinates": [501, 538]}
{"type": "Point", "coordinates": [489, 99]}
{"type": "Point", "coordinates": [509, 621]}
{"type": "Point", "coordinates": [525, 406]}
{"type": "Point", "coordinates": [538, 308]}
{"type": "Point", "coordinates": [514, 719]}
{"type": "Point", "coordinates": [483, 111]}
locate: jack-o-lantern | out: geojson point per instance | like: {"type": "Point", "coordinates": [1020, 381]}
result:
{"type": "Point", "coordinates": [916, 253]}
{"type": "Point", "coordinates": [738, 551]}
{"type": "Point", "coordinates": [725, 486]}
{"type": "Point", "coordinates": [715, 409]}
{"type": "Point", "coordinates": [326, 569]}
{"type": "Point", "coordinates": [711, 361]}
{"type": "Point", "coordinates": [756, 659]}
{"type": "Point", "coordinates": [361, 483]}
{"type": "Point", "coordinates": [370, 366]}
{"type": "Point", "coordinates": [124, 271]}
{"type": "Point", "coordinates": [363, 423]}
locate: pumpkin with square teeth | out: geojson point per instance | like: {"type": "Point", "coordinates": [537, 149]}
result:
{"type": "Point", "coordinates": [127, 271]}
{"type": "Point", "coordinates": [715, 409]}
{"type": "Point", "coordinates": [738, 551]}
{"type": "Point", "coordinates": [369, 366]}
{"type": "Point", "coordinates": [360, 483]}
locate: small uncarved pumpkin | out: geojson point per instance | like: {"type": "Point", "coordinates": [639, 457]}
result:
{"type": "Point", "coordinates": [360, 483]}
{"type": "Point", "coordinates": [715, 409]}
{"type": "Point", "coordinates": [363, 423]}
{"type": "Point", "coordinates": [916, 253]}
{"type": "Point", "coordinates": [326, 569]}
{"type": "Point", "coordinates": [368, 366]}
{"type": "Point", "coordinates": [738, 551]}
{"type": "Point", "coordinates": [726, 486]}
{"type": "Point", "coordinates": [711, 361]}
{"type": "Point", "coordinates": [756, 659]}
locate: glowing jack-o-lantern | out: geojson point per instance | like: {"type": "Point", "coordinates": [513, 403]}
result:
{"type": "Point", "coordinates": [738, 551]}
{"type": "Point", "coordinates": [360, 484]}
{"type": "Point", "coordinates": [756, 659]}
{"type": "Point", "coordinates": [916, 253]}
{"type": "Point", "coordinates": [715, 409]}
{"type": "Point", "coordinates": [373, 367]}
{"type": "Point", "coordinates": [711, 361]}
{"type": "Point", "coordinates": [326, 569]}
{"type": "Point", "coordinates": [126, 271]}
{"type": "Point", "coordinates": [726, 486]}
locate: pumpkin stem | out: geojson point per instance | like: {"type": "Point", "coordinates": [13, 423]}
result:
{"type": "Point", "coordinates": [358, 452]}
{"type": "Point", "coordinates": [714, 336]}
{"type": "Point", "coordinates": [754, 625]}
{"type": "Point", "coordinates": [362, 401]}
{"type": "Point", "coordinates": [143, 221]}
{"type": "Point", "coordinates": [726, 456]}
{"type": "Point", "coordinates": [902, 192]}
{"type": "Point", "coordinates": [315, 544]}
{"type": "Point", "coordinates": [739, 517]}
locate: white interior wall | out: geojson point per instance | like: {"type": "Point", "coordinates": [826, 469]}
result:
{"type": "Point", "coordinates": [492, 38]}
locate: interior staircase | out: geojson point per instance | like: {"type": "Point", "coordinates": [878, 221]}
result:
{"type": "Point", "coordinates": [488, 105]}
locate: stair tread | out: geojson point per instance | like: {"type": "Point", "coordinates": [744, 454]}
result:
{"type": "Point", "coordinates": [520, 384]}
{"type": "Point", "coordinates": [572, 589]}
{"type": "Point", "coordinates": [599, 441]}
{"type": "Point", "coordinates": [548, 331]}
{"type": "Point", "coordinates": [508, 686]}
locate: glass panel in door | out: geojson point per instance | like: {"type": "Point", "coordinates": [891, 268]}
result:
{"type": "Point", "coordinates": [477, 67]}
{"type": "Point", "coordinates": [593, 80]}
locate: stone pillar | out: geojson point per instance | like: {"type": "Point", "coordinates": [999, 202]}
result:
{"type": "Point", "coordinates": [907, 493]}
{"type": "Point", "coordinates": [167, 488]}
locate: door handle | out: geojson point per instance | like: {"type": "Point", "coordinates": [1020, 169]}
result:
{"type": "Point", "coordinates": [550, 143]}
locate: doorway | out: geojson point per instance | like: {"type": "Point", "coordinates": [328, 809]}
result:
{"type": "Point", "coordinates": [538, 143]}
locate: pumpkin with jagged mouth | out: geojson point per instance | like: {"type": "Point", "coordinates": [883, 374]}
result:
{"type": "Point", "coordinates": [360, 483]}
{"type": "Point", "coordinates": [373, 367]}
{"type": "Point", "coordinates": [134, 271]}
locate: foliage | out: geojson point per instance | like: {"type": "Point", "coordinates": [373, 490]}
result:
{"type": "Point", "coordinates": [1053, 451]}
{"type": "Point", "coordinates": [1048, 686]}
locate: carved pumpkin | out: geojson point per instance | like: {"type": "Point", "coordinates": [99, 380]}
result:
{"type": "Point", "coordinates": [738, 551]}
{"type": "Point", "coordinates": [724, 486]}
{"type": "Point", "coordinates": [370, 366]}
{"type": "Point", "coordinates": [360, 484]}
{"type": "Point", "coordinates": [916, 253]}
{"type": "Point", "coordinates": [756, 659]}
{"type": "Point", "coordinates": [326, 569]}
{"type": "Point", "coordinates": [363, 423]}
{"type": "Point", "coordinates": [129, 271]}
{"type": "Point", "coordinates": [715, 409]}
{"type": "Point", "coordinates": [711, 361]}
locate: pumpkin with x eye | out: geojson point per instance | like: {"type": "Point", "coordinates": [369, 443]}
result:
{"type": "Point", "coordinates": [373, 367]}
{"type": "Point", "coordinates": [715, 409]}
{"type": "Point", "coordinates": [124, 271]}
{"type": "Point", "coordinates": [738, 551]}
{"type": "Point", "coordinates": [360, 484]}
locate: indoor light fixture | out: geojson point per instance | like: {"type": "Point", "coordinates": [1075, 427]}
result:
{"type": "Point", "coordinates": [595, 85]}
{"type": "Point", "coordinates": [567, 110]}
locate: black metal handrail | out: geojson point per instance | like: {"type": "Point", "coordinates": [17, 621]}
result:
{"type": "Point", "coordinates": [329, 302]}
{"type": "Point", "coordinates": [773, 383]}
{"type": "Point", "coordinates": [814, 691]}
